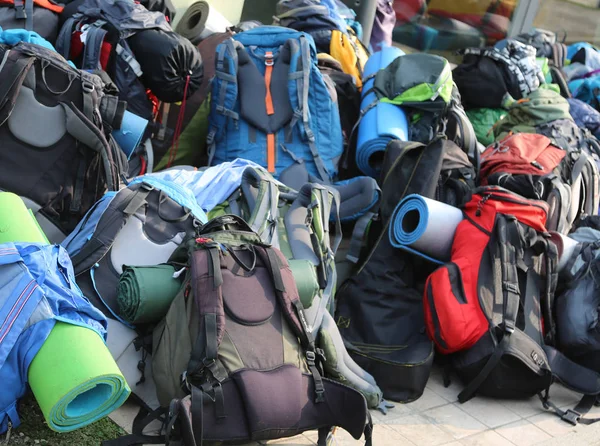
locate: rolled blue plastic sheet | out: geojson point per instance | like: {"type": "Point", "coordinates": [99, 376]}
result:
{"type": "Point", "coordinates": [129, 136]}
{"type": "Point", "coordinates": [380, 124]}
{"type": "Point", "coordinates": [424, 227]}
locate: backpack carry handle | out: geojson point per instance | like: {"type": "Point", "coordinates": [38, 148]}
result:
{"type": "Point", "coordinates": [227, 222]}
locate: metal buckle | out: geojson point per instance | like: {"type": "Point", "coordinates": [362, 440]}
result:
{"type": "Point", "coordinates": [571, 416]}
{"type": "Point", "coordinates": [269, 62]}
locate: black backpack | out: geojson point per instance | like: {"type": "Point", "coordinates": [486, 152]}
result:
{"type": "Point", "coordinates": [380, 307]}
{"type": "Point", "coordinates": [129, 28]}
{"type": "Point", "coordinates": [55, 128]}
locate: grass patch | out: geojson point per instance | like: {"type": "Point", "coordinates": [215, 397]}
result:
{"type": "Point", "coordinates": [34, 430]}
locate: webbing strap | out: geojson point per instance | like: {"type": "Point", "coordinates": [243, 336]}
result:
{"type": "Point", "coordinates": [197, 407]}
{"type": "Point", "coordinates": [510, 278]}
{"type": "Point", "coordinates": [470, 389]}
{"type": "Point", "coordinates": [29, 15]}
{"type": "Point", "coordinates": [357, 240]}
{"type": "Point", "coordinates": [129, 59]}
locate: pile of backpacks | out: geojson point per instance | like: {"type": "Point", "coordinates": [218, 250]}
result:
{"type": "Point", "coordinates": [278, 230]}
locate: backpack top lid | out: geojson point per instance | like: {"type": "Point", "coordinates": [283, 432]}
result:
{"type": "Point", "coordinates": [127, 16]}
{"type": "Point", "coordinates": [414, 78]}
{"type": "Point", "coordinates": [491, 200]}
{"type": "Point", "coordinates": [272, 36]}
{"type": "Point", "coordinates": [537, 108]}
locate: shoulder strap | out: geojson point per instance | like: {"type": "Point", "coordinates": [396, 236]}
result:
{"type": "Point", "coordinates": [95, 35]}
{"type": "Point", "coordinates": [518, 343]}
{"type": "Point", "coordinates": [109, 224]}
{"type": "Point", "coordinates": [264, 210]}
{"type": "Point", "coordinates": [63, 41]}
{"type": "Point", "coordinates": [223, 97]}
{"type": "Point", "coordinates": [287, 293]}
{"type": "Point", "coordinates": [13, 70]}
{"type": "Point", "coordinates": [303, 85]}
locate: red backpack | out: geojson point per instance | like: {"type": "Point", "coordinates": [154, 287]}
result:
{"type": "Point", "coordinates": [521, 153]}
{"type": "Point", "coordinates": [489, 305]}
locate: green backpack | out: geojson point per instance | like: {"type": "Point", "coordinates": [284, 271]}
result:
{"type": "Point", "coordinates": [422, 84]}
{"type": "Point", "coordinates": [297, 223]}
{"type": "Point", "coordinates": [483, 120]}
{"type": "Point", "coordinates": [234, 359]}
{"type": "Point", "coordinates": [525, 115]}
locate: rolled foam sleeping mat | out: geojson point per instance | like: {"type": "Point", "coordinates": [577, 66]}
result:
{"type": "Point", "coordinates": [199, 21]}
{"type": "Point", "coordinates": [74, 378]}
{"type": "Point", "coordinates": [424, 227]}
{"type": "Point", "coordinates": [565, 245]}
{"type": "Point", "coordinates": [305, 276]}
{"type": "Point", "coordinates": [17, 223]}
{"type": "Point", "coordinates": [380, 124]}
{"type": "Point", "coordinates": [145, 293]}
{"type": "Point", "coordinates": [167, 60]}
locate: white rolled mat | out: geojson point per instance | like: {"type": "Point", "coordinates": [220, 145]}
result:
{"type": "Point", "coordinates": [198, 20]}
{"type": "Point", "coordinates": [424, 227]}
{"type": "Point", "coordinates": [566, 246]}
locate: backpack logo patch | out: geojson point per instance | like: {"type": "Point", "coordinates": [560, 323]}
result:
{"type": "Point", "coordinates": [537, 359]}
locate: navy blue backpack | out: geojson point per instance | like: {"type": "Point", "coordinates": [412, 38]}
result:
{"type": "Point", "coordinates": [271, 105]}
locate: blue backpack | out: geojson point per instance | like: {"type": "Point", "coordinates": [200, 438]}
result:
{"type": "Point", "coordinates": [271, 105]}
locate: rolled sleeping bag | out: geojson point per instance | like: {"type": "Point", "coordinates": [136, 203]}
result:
{"type": "Point", "coordinates": [199, 21]}
{"type": "Point", "coordinates": [74, 378]}
{"type": "Point", "coordinates": [17, 223]}
{"type": "Point", "coordinates": [566, 247]}
{"type": "Point", "coordinates": [424, 227]}
{"type": "Point", "coordinates": [145, 293]}
{"type": "Point", "coordinates": [171, 65]}
{"type": "Point", "coordinates": [380, 124]}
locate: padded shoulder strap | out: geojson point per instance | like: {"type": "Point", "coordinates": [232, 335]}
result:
{"type": "Point", "coordinates": [63, 41]}
{"type": "Point", "coordinates": [13, 70]}
{"type": "Point", "coordinates": [287, 293]}
{"type": "Point", "coordinates": [124, 205]}
{"type": "Point", "coordinates": [224, 92]}
{"type": "Point", "coordinates": [261, 194]}
{"type": "Point", "coordinates": [93, 47]}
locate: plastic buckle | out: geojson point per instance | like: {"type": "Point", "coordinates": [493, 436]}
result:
{"type": "Point", "coordinates": [571, 416]}
{"type": "Point", "coordinates": [88, 87]}
{"type": "Point", "coordinates": [269, 62]}
{"type": "Point", "coordinates": [311, 357]}
{"type": "Point", "coordinates": [20, 13]}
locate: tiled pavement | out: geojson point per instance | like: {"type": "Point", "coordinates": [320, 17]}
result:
{"type": "Point", "coordinates": [438, 419]}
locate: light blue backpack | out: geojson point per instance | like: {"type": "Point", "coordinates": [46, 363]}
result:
{"type": "Point", "coordinates": [271, 105]}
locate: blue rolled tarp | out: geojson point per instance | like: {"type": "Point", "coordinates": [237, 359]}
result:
{"type": "Point", "coordinates": [424, 227]}
{"type": "Point", "coordinates": [380, 124]}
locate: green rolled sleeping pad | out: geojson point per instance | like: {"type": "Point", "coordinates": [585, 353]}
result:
{"type": "Point", "coordinates": [17, 223]}
{"type": "Point", "coordinates": [305, 276]}
{"type": "Point", "coordinates": [145, 293]}
{"type": "Point", "coordinates": [74, 378]}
